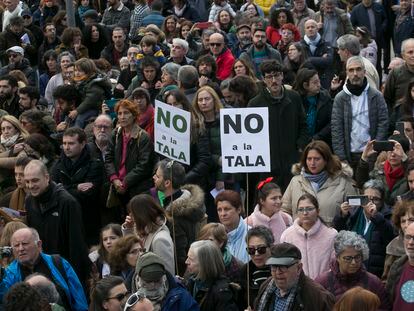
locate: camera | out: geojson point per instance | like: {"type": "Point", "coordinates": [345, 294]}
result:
{"type": "Point", "coordinates": [6, 251]}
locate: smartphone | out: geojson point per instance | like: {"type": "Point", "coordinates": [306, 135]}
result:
{"type": "Point", "coordinates": [399, 126]}
{"type": "Point", "coordinates": [203, 25]}
{"type": "Point", "coordinates": [357, 200]}
{"type": "Point", "coordinates": [383, 145]}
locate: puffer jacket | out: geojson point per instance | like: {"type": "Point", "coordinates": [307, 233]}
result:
{"type": "Point", "coordinates": [330, 196]}
{"type": "Point", "coordinates": [316, 246]}
{"type": "Point", "coordinates": [188, 212]}
{"type": "Point", "coordinates": [337, 283]}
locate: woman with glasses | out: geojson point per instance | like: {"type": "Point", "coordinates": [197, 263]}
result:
{"type": "Point", "coordinates": [321, 174]}
{"type": "Point", "coordinates": [207, 283]}
{"type": "Point", "coordinates": [108, 294]}
{"type": "Point", "coordinates": [348, 271]}
{"type": "Point", "coordinates": [368, 219]}
{"type": "Point", "coordinates": [259, 240]}
{"type": "Point", "coordinates": [310, 234]}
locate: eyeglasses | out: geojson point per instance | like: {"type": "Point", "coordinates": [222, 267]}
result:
{"type": "Point", "coordinates": [408, 237]}
{"type": "Point", "coordinates": [215, 44]}
{"type": "Point", "coordinates": [374, 199]}
{"type": "Point", "coordinates": [348, 259]}
{"type": "Point", "coordinates": [133, 299]}
{"type": "Point", "coordinates": [13, 55]}
{"type": "Point", "coordinates": [260, 250]}
{"type": "Point", "coordinates": [118, 297]}
{"type": "Point", "coordinates": [306, 209]}
{"type": "Point", "coordinates": [283, 268]}
{"type": "Point", "coordinates": [276, 75]}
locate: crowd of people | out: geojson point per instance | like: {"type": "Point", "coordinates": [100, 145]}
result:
{"type": "Point", "coordinates": [92, 218]}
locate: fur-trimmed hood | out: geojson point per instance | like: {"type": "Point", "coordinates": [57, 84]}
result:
{"type": "Point", "coordinates": [346, 170]}
{"type": "Point", "coordinates": [189, 205]}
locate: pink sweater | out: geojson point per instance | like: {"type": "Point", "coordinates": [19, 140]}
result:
{"type": "Point", "coordinates": [316, 246]}
{"type": "Point", "coordinates": [277, 223]}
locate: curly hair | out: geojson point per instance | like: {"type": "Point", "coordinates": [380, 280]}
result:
{"type": "Point", "coordinates": [117, 256]}
{"type": "Point", "coordinates": [23, 297]}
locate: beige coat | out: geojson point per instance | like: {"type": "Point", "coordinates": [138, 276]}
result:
{"type": "Point", "coordinates": [330, 196]}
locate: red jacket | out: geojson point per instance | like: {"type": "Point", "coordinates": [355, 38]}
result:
{"type": "Point", "coordinates": [224, 63]}
{"type": "Point", "coordinates": [273, 35]}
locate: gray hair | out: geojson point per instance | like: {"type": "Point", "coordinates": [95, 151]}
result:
{"type": "Point", "coordinates": [346, 239]}
{"type": "Point", "coordinates": [45, 287]}
{"type": "Point", "coordinates": [210, 260]}
{"type": "Point", "coordinates": [261, 232]}
{"type": "Point", "coordinates": [349, 42]}
{"type": "Point", "coordinates": [171, 69]}
{"type": "Point", "coordinates": [376, 185]}
{"type": "Point", "coordinates": [181, 42]}
{"type": "Point", "coordinates": [188, 76]}
{"type": "Point", "coordinates": [225, 84]}
{"type": "Point", "coordinates": [356, 59]}
{"type": "Point", "coordinates": [404, 44]}
{"type": "Point", "coordinates": [103, 116]}
{"type": "Point", "coordinates": [63, 54]}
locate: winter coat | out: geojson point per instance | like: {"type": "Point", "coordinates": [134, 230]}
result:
{"type": "Point", "coordinates": [217, 296]}
{"type": "Point", "coordinates": [119, 17]}
{"type": "Point", "coordinates": [300, 20]}
{"type": "Point", "coordinates": [93, 92]}
{"type": "Point", "coordinates": [41, 17]}
{"type": "Point", "coordinates": [278, 223]}
{"type": "Point", "coordinates": [330, 195]}
{"type": "Point", "coordinates": [382, 233]}
{"type": "Point", "coordinates": [9, 39]}
{"type": "Point", "coordinates": [403, 31]}
{"type": "Point", "coordinates": [188, 211]}
{"type": "Point", "coordinates": [324, 65]}
{"type": "Point", "coordinates": [341, 121]}
{"type": "Point", "coordinates": [397, 84]}
{"type": "Point", "coordinates": [310, 296]}
{"type": "Point", "coordinates": [395, 276]}
{"type": "Point", "coordinates": [107, 53]}
{"type": "Point", "coordinates": [316, 246]}
{"type": "Point", "coordinates": [265, 5]}
{"type": "Point", "coordinates": [178, 298]}
{"type": "Point", "coordinates": [224, 63]}
{"type": "Point", "coordinates": [139, 163]}
{"type": "Point", "coordinates": [24, 67]}
{"type": "Point", "coordinates": [215, 9]}
{"type": "Point", "coordinates": [271, 53]}
{"type": "Point", "coordinates": [69, 282]}
{"type": "Point", "coordinates": [370, 52]}
{"type": "Point", "coordinates": [254, 284]}
{"type": "Point", "coordinates": [287, 130]}
{"type": "Point", "coordinates": [190, 13]}
{"type": "Point", "coordinates": [337, 283]}
{"type": "Point", "coordinates": [343, 23]}
{"type": "Point", "coordinates": [57, 216]}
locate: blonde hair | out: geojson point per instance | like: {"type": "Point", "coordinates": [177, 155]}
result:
{"type": "Point", "coordinates": [16, 123]}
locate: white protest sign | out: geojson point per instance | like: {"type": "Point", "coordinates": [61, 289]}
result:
{"type": "Point", "coordinates": [172, 132]}
{"type": "Point", "coordinates": [244, 136]}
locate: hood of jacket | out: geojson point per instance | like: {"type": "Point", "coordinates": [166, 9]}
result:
{"type": "Point", "coordinates": [346, 170]}
{"type": "Point", "coordinates": [189, 205]}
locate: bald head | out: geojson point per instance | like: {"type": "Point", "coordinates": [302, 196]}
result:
{"type": "Point", "coordinates": [26, 246]}
{"type": "Point", "coordinates": [216, 44]}
{"type": "Point", "coordinates": [44, 286]}
{"type": "Point", "coordinates": [36, 177]}
{"type": "Point", "coordinates": [311, 28]}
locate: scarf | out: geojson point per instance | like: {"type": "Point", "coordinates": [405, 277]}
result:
{"type": "Point", "coordinates": [17, 200]}
{"type": "Point", "coordinates": [227, 257]}
{"type": "Point", "coordinates": [316, 180]}
{"type": "Point", "coordinates": [236, 241]}
{"type": "Point", "coordinates": [359, 226]}
{"type": "Point", "coordinates": [9, 142]}
{"type": "Point", "coordinates": [312, 42]}
{"type": "Point", "coordinates": [392, 175]}
{"type": "Point", "coordinates": [267, 295]}
{"type": "Point", "coordinates": [311, 114]}
{"type": "Point", "coordinates": [179, 12]}
{"type": "Point", "coordinates": [356, 89]}
{"type": "Point", "coordinates": [145, 117]}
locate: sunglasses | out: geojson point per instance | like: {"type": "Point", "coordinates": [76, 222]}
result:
{"type": "Point", "coordinates": [260, 250]}
{"type": "Point", "coordinates": [215, 44]}
{"type": "Point", "coordinates": [118, 297]}
{"type": "Point", "coordinates": [283, 268]}
{"type": "Point", "coordinates": [13, 55]}
{"type": "Point", "coordinates": [133, 299]}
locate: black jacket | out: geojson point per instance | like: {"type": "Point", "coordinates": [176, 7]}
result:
{"type": "Point", "coordinates": [9, 39]}
{"type": "Point", "coordinates": [56, 215]}
{"type": "Point", "coordinates": [24, 67]}
{"type": "Point", "coordinates": [382, 233]}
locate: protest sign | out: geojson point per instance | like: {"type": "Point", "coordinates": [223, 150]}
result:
{"type": "Point", "coordinates": [172, 132]}
{"type": "Point", "coordinates": [244, 134]}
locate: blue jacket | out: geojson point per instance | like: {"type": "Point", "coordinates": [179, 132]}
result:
{"type": "Point", "coordinates": [74, 289]}
{"type": "Point", "coordinates": [178, 298]}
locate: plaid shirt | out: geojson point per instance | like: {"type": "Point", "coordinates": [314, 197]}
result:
{"type": "Point", "coordinates": [284, 303]}
{"type": "Point", "coordinates": [136, 18]}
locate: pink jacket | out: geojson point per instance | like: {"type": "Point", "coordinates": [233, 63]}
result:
{"type": "Point", "coordinates": [316, 246]}
{"type": "Point", "coordinates": [277, 223]}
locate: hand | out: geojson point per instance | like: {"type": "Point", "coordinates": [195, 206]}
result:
{"type": "Point", "coordinates": [61, 126]}
{"type": "Point", "coordinates": [219, 185]}
{"type": "Point", "coordinates": [158, 85]}
{"type": "Point", "coordinates": [73, 114]}
{"type": "Point", "coordinates": [120, 87]}
{"type": "Point", "coordinates": [368, 150]}
{"type": "Point", "coordinates": [145, 85]}
{"type": "Point", "coordinates": [119, 187]}
{"type": "Point", "coordinates": [395, 7]}
{"type": "Point", "coordinates": [85, 186]}
{"type": "Point", "coordinates": [371, 209]}
{"type": "Point", "coordinates": [17, 148]}
{"type": "Point", "coordinates": [129, 223]}
{"type": "Point", "coordinates": [105, 109]}
{"type": "Point", "coordinates": [335, 83]}
{"type": "Point", "coordinates": [345, 209]}
{"type": "Point", "coordinates": [398, 149]}
{"type": "Point", "coordinates": [325, 55]}
{"type": "Point", "coordinates": [202, 81]}
{"type": "Point", "coordinates": [320, 25]}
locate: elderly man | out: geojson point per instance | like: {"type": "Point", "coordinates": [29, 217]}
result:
{"type": "Point", "coordinates": [187, 80]}
{"type": "Point", "coordinates": [401, 278]}
{"type": "Point", "coordinates": [29, 258]}
{"type": "Point", "coordinates": [289, 288]}
{"type": "Point", "coordinates": [158, 285]}
{"type": "Point", "coordinates": [53, 212]}
{"type": "Point", "coordinates": [243, 40]}
{"type": "Point", "coordinates": [45, 288]}
{"type": "Point", "coordinates": [222, 54]}
{"type": "Point", "coordinates": [178, 53]}
{"type": "Point", "coordinates": [359, 114]}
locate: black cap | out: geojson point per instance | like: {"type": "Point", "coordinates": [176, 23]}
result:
{"type": "Point", "coordinates": [26, 13]}
{"type": "Point", "coordinates": [284, 254]}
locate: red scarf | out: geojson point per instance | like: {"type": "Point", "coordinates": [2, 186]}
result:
{"type": "Point", "coordinates": [392, 175]}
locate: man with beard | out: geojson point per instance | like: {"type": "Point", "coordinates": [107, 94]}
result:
{"type": "Point", "coordinates": [81, 175]}
{"type": "Point", "coordinates": [207, 68]}
{"type": "Point", "coordinates": [359, 114]}
{"type": "Point", "coordinates": [223, 56]}
{"type": "Point", "coordinates": [9, 99]}
{"type": "Point", "coordinates": [99, 147]}
{"type": "Point", "coordinates": [17, 61]}
{"type": "Point", "coordinates": [152, 281]}
{"type": "Point", "coordinates": [67, 98]}
{"type": "Point", "coordinates": [259, 51]}
{"type": "Point", "coordinates": [118, 49]}
{"type": "Point", "coordinates": [244, 40]}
